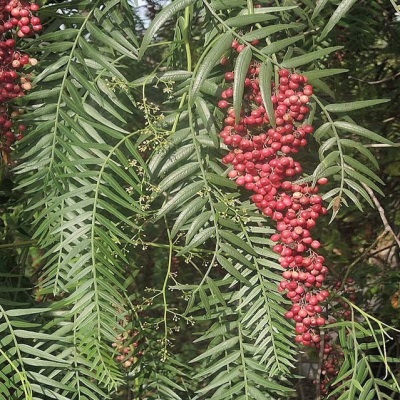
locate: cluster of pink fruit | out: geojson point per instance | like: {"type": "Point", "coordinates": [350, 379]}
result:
{"type": "Point", "coordinates": [260, 155]}
{"type": "Point", "coordinates": [126, 345]}
{"type": "Point", "coordinates": [18, 20]}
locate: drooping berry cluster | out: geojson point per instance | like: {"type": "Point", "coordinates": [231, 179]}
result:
{"type": "Point", "coordinates": [260, 155]}
{"type": "Point", "coordinates": [127, 346]}
{"type": "Point", "coordinates": [18, 20]}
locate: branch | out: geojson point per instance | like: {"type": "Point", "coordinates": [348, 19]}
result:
{"type": "Point", "coordinates": [389, 78]}
{"type": "Point", "coordinates": [381, 211]}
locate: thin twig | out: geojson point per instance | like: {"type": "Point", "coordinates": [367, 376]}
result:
{"type": "Point", "coordinates": [389, 78]}
{"type": "Point", "coordinates": [380, 250]}
{"type": "Point", "coordinates": [320, 362]}
{"type": "Point", "coordinates": [381, 211]}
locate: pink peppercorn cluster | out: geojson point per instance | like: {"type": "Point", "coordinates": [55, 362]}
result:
{"type": "Point", "coordinates": [261, 159]}
{"type": "Point", "coordinates": [126, 345]}
{"type": "Point", "coordinates": [18, 20]}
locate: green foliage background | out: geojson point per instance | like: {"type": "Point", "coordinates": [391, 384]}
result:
{"type": "Point", "coordinates": [122, 218]}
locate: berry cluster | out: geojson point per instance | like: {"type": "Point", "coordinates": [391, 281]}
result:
{"type": "Point", "coordinates": [261, 157]}
{"type": "Point", "coordinates": [17, 20]}
{"type": "Point", "coordinates": [126, 345]}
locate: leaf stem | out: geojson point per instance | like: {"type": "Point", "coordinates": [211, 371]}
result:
{"type": "Point", "coordinates": [164, 293]}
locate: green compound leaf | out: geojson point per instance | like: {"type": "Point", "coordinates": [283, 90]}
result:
{"type": "Point", "coordinates": [240, 72]}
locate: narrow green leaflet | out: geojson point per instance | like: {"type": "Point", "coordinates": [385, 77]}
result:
{"type": "Point", "coordinates": [240, 72]}
{"type": "Point", "coordinates": [322, 131]}
{"type": "Point", "coordinates": [362, 149]}
{"type": "Point", "coordinates": [178, 175]}
{"type": "Point", "coordinates": [354, 105]}
{"type": "Point", "coordinates": [197, 224]}
{"type": "Point", "coordinates": [307, 58]}
{"type": "Point", "coordinates": [323, 73]}
{"type": "Point", "coordinates": [244, 20]}
{"type": "Point", "coordinates": [319, 7]}
{"type": "Point", "coordinates": [223, 363]}
{"type": "Point", "coordinates": [108, 41]}
{"type": "Point", "coordinates": [164, 15]}
{"type": "Point", "coordinates": [274, 47]}
{"type": "Point", "coordinates": [265, 77]}
{"type": "Point", "coordinates": [25, 311]}
{"type": "Point", "coordinates": [359, 189]}
{"type": "Point", "coordinates": [236, 241]}
{"type": "Point", "coordinates": [326, 162]}
{"type": "Point", "coordinates": [363, 179]}
{"type": "Point", "coordinates": [358, 130]}
{"type": "Point", "coordinates": [357, 165]}
{"type": "Point", "coordinates": [220, 382]}
{"type": "Point", "coordinates": [236, 254]}
{"type": "Point", "coordinates": [189, 210]}
{"type": "Point", "coordinates": [226, 4]}
{"type": "Point", "coordinates": [219, 180]}
{"type": "Point", "coordinates": [207, 120]}
{"type": "Point", "coordinates": [339, 13]}
{"type": "Point", "coordinates": [183, 195]}
{"type": "Point", "coordinates": [178, 75]}
{"type": "Point", "coordinates": [215, 51]}
{"type": "Point", "coordinates": [263, 10]}
{"type": "Point", "coordinates": [231, 270]}
{"type": "Point", "coordinates": [353, 198]}
{"type": "Point", "coordinates": [269, 30]}
{"type": "Point", "coordinates": [182, 153]}
{"type": "Point", "coordinates": [222, 347]}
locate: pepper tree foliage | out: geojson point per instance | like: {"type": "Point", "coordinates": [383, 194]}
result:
{"type": "Point", "coordinates": [140, 239]}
